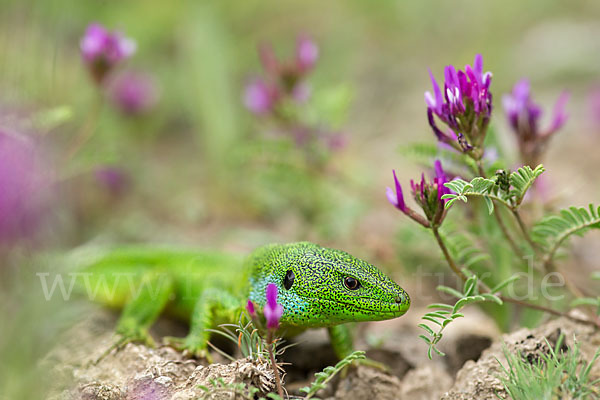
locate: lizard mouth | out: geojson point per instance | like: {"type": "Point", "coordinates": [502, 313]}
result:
{"type": "Point", "coordinates": [386, 310]}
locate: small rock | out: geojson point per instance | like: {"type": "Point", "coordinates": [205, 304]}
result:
{"type": "Point", "coordinates": [425, 383]}
{"type": "Point", "coordinates": [366, 383]}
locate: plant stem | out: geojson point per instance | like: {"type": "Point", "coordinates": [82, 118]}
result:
{"type": "Point", "coordinates": [273, 363]}
{"type": "Point", "coordinates": [517, 216]}
{"type": "Point", "coordinates": [461, 275]}
{"type": "Point", "coordinates": [498, 217]}
{"type": "Point", "coordinates": [550, 311]}
{"type": "Point", "coordinates": [506, 234]}
{"type": "Point", "coordinates": [86, 132]}
{"type": "Point", "coordinates": [447, 255]}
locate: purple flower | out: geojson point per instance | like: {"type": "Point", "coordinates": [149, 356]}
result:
{"type": "Point", "coordinates": [250, 309]}
{"type": "Point", "coordinates": [102, 50]}
{"type": "Point", "coordinates": [259, 97]}
{"type": "Point", "coordinates": [113, 179]}
{"type": "Point", "coordinates": [134, 93]}
{"type": "Point", "coordinates": [523, 116]}
{"type": "Point", "coordinates": [22, 187]}
{"type": "Point", "coordinates": [397, 199]}
{"type": "Point", "coordinates": [307, 53]}
{"type": "Point", "coordinates": [272, 310]}
{"type": "Point", "coordinates": [465, 105]}
{"type": "Point", "coordinates": [428, 196]}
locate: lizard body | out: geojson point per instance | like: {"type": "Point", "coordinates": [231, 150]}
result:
{"type": "Point", "coordinates": [317, 287]}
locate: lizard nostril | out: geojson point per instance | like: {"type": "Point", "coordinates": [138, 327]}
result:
{"type": "Point", "coordinates": [398, 300]}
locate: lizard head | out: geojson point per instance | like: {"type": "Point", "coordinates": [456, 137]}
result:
{"type": "Point", "coordinates": [318, 286]}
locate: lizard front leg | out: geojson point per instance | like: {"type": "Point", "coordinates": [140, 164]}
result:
{"type": "Point", "coordinates": [203, 318]}
{"type": "Point", "coordinates": [147, 302]}
{"type": "Point", "coordinates": [341, 340]}
{"type": "Point", "coordinates": [342, 343]}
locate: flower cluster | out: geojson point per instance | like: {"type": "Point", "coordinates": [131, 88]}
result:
{"type": "Point", "coordinates": [523, 116]}
{"type": "Point", "coordinates": [282, 79]}
{"type": "Point", "coordinates": [103, 50]}
{"type": "Point", "coordinates": [464, 106]}
{"type": "Point", "coordinates": [428, 196]}
{"type": "Point", "coordinates": [281, 95]}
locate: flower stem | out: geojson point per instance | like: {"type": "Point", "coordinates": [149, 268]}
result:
{"type": "Point", "coordinates": [447, 255]}
{"type": "Point", "coordinates": [486, 288]}
{"type": "Point", "coordinates": [506, 233]}
{"type": "Point", "coordinates": [87, 131]}
{"type": "Point", "coordinates": [526, 235]}
{"type": "Point", "coordinates": [499, 220]}
{"type": "Point", "coordinates": [274, 363]}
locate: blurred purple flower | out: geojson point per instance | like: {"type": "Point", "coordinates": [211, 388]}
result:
{"type": "Point", "coordinates": [251, 310]}
{"type": "Point", "coordinates": [273, 311]}
{"type": "Point", "coordinates": [307, 53]}
{"type": "Point", "coordinates": [22, 187]}
{"type": "Point", "coordinates": [337, 141]}
{"type": "Point", "coordinates": [134, 93]}
{"type": "Point", "coordinates": [282, 80]}
{"type": "Point", "coordinates": [103, 50]}
{"type": "Point", "coordinates": [113, 179]}
{"type": "Point", "coordinates": [465, 105]}
{"type": "Point", "coordinates": [523, 116]}
{"type": "Point", "coordinates": [259, 97]}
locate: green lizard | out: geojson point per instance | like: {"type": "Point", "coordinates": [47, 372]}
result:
{"type": "Point", "coordinates": [317, 286]}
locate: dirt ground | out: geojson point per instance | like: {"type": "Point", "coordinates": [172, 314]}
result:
{"type": "Point", "coordinates": [469, 371]}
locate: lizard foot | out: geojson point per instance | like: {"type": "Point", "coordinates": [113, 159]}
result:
{"type": "Point", "coordinates": [189, 347]}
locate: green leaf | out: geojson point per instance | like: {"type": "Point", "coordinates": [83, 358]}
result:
{"type": "Point", "coordinates": [585, 301]}
{"type": "Point", "coordinates": [489, 203]}
{"type": "Point", "coordinates": [504, 284]}
{"type": "Point", "coordinates": [522, 179]}
{"type": "Point", "coordinates": [438, 351]}
{"type": "Point", "coordinates": [425, 338]}
{"type": "Point", "coordinates": [435, 321]}
{"type": "Point", "coordinates": [466, 301]}
{"type": "Point", "coordinates": [440, 305]}
{"type": "Point", "coordinates": [469, 285]}
{"type": "Point", "coordinates": [450, 291]}
{"type": "Point", "coordinates": [322, 378]}
{"type": "Point", "coordinates": [551, 231]}
{"type": "Point", "coordinates": [427, 328]}
{"type": "Point", "coordinates": [492, 298]}
{"type": "Point", "coordinates": [435, 315]}
{"type": "Point", "coordinates": [52, 118]}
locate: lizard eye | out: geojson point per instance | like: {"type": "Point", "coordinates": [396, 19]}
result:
{"type": "Point", "coordinates": [288, 281]}
{"type": "Point", "coordinates": [351, 283]}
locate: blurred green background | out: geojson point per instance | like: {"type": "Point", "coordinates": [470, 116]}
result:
{"type": "Point", "coordinates": [199, 168]}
